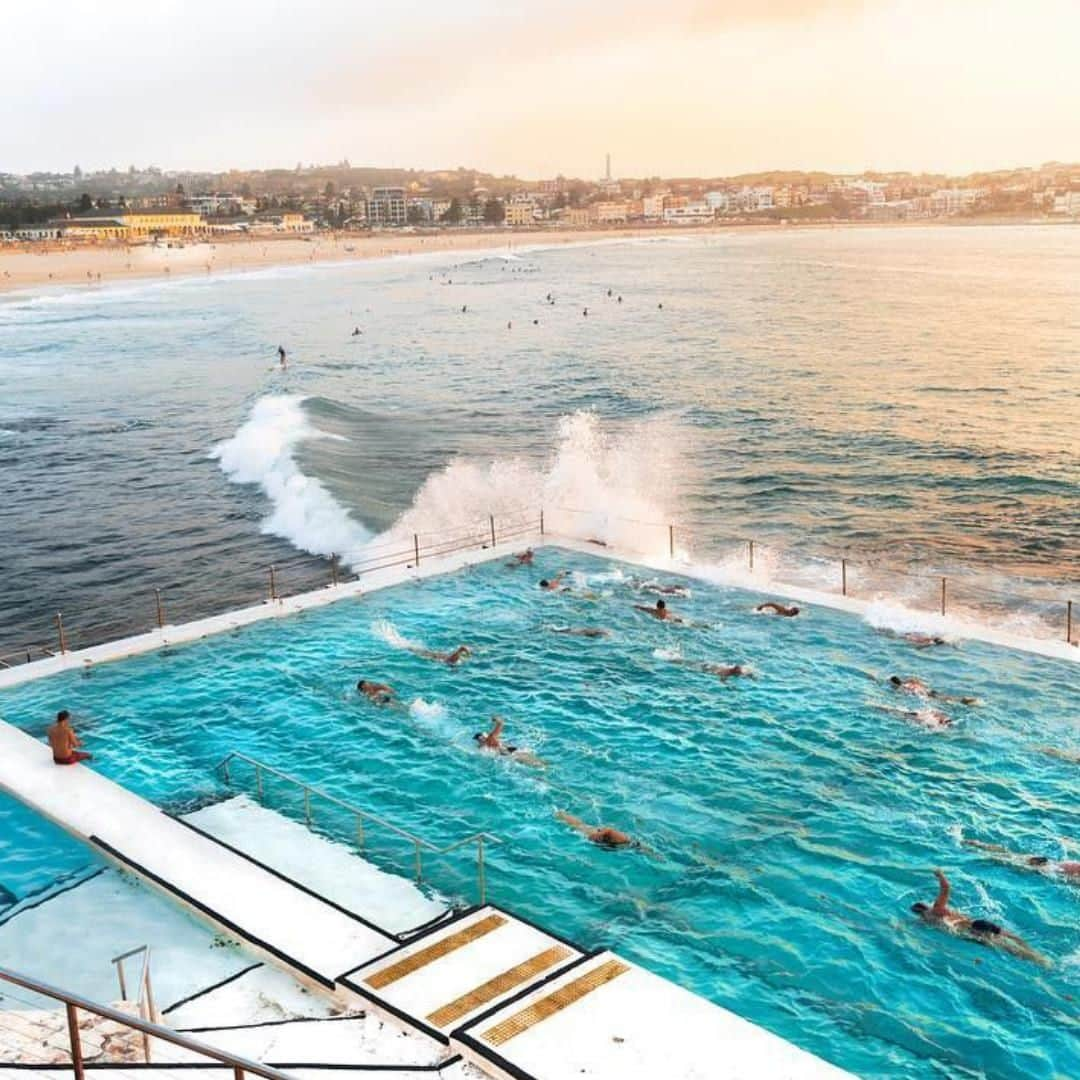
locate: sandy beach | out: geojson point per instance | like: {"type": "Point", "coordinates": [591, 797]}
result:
{"type": "Point", "coordinates": [29, 266]}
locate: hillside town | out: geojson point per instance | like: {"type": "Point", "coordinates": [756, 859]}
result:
{"type": "Point", "coordinates": [141, 205]}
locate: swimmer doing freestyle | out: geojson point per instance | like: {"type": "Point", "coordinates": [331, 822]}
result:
{"type": "Point", "coordinates": [920, 689]}
{"type": "Point", "coordinates": [981, 931]}
{"type": "Point", "coordinates": [492, 741]}
{"type": "Point", "coordinates": [1040, 864]}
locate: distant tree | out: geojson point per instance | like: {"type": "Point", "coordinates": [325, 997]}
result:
{"type": "Point", "coordinates": [329, 190]}
{"type": "Point", "coordinates": [180, 190]}
{"type": "Point", "coordinates": [453, 214]}
{"type": "Point", "coordinates": [85, 202]}
{"type": "Point", "coordinates": [415, 214]}
{"type": "Point", "coordinates": [131, 170]}
{"type": "Point", "coordinates": [123, 202]}
{"type": "Point", "coordinates": [494, 212]}
{"type": "Point", "coordinates": [245, 190]}
{"type": "Point", "coordinates": [77, 173]}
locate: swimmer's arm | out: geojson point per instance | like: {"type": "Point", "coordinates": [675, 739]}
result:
{"type": "Point", "coordinates": [986, 847]}
{"type": "Point", "coordinates": [940, 906]}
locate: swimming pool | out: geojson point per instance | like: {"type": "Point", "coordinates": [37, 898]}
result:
{"type": "Point", "coordinates": [793, 823]}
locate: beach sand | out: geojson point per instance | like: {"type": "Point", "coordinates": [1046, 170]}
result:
{"type": "Point", "coordinates": [30, 266]}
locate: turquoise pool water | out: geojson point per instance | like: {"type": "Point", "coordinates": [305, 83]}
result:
{"type": "Point", "coordinates": [793, 822]}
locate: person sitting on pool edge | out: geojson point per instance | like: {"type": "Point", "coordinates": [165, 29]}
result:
{"type": "Point", "coordinates": [981, 931]}
{"type": "Point", "coordinates": [771, 607]}
{"type": "Point", "coordinates": [603, 835]}
{"type": "Point", "coordinates": [64, 742]}
{"type": "Point", "coordinates": [378, 693]}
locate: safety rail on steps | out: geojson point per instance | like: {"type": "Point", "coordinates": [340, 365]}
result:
{"type": "Point", "coordinates": [77, 1036]}
{"type": "Point", "coordinates": [144, 1001]}
{"type": "Point", "coordinates": [362, 818]}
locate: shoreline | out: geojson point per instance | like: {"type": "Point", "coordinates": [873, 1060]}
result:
{"type": "Point", "coordinates": [34, 266]}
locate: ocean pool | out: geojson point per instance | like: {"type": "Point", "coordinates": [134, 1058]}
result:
{"type": "Point", "coordinates": [791, 821]}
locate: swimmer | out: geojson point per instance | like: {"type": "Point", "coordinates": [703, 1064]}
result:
{"type": "Point", "coordinates": [771, 607]}
{"type": "Point", "coordinates": [281, 357]}
{"type": "Point", "coordinates": [982, 931]}
{"type": "Point", "coordinates": [452, 658]}
{"type": "Point", "coordinates": [521, 558]}
{"type": "Point", "coordinates": [492, 740]}
{"type": "Point", "coordinates": [920, 689]}
{"type": "Point", "coordinates": [660, 611]}
{"type": "Point", "coordinates": [553, 584]}
{"type": "Point", "coordinates": [581, 631]}
{"type": "Point", "coordinates": [377, 693]}
{"type": "Point", "coordinates": [603, 835]}
{"type": "Point", "coordinates": [1067, 868]}
{"type": "Point", "coordinates": [923, 641]}
{"type": "Point", "coordinates": [585, 312]}
{"type": "Point", "coordinates": [1064, 755]}
{"type": "Point", "coordinates": [658, 589]}
{"type": "Point", "coordinates": [357, 331]}
{"type": "Point", "coordinates": [928, 718]}
{"type": "Point", "coordinates": [727, 671]}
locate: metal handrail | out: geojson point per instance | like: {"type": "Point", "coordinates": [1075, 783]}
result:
{"type": "Point", "coordinates": [145, 1000]}
{"type": "Point", "coordinates": [73, 1002]}
{"type": "Point", "coordinates": [361, 817]}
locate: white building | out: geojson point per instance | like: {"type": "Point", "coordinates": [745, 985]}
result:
{"type": "Point", "coordinates": [653, 205]}
{"type": "Point", "coordinates": [696, 213]}
{"type": "Point", "coordinates": [717, 201]}
{"type": "Point", "coordinates": [1067, 202]}
{"type": "Point", "coordinates": [387, 206]}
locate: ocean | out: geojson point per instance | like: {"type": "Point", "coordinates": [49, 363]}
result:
{"type": "Point", "coordinates": [905, 398]}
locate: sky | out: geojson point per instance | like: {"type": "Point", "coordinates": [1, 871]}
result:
{"type": "Point", "coordinates": [537, 88]}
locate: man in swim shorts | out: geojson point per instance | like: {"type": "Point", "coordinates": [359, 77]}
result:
{"type": "Point", "coordinates": [522, 558]}
{"type": "Point", "coordinates": [773, 608]}
{"type": "Point", "coordinates": [982, 931]}
{"type": "Point", "coordinates": [553, 584]}
{"type": "Point", "coordinates": [452, 658]}
{"type": "Point", "coordinates": [1041, 864]}
{"type": "Point", "coordinates": [377, 693]}
{"type": "Point", "coordinates": [492, 740]}
{"type": "Point", "coordinates": [64, 742]}
{"type": "Point", "coordinates": [602, 835]}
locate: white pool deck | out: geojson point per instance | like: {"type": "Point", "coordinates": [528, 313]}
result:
{"type": "Point", "coordinates": [513, 999]}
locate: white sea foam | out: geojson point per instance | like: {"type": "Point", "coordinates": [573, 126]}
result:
{"type": "Point", "coordinates": [668, 654]}
{"type": "Point", "coordinates": [304, 512]}
{"type": "Point", "coordinates": [430, 711]}
{"type": "Point", "coordinates": [389, 633]}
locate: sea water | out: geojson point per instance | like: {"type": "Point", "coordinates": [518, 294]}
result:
{"type": "Point", "coordinates": [789, 820]}
{"type": "Point", "coordinates": [905, 396]}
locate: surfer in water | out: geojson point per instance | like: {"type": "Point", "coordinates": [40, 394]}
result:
{"type": "Point", "coordinates": [981, 931]}
{"type": "Point", "coordinates": [281, 357]}
{"type": "Point", "coordinates": [492, 742]}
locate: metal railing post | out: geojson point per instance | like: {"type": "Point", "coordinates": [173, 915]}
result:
{"type": "Point", "coordinates": [480, 879]}
{"type": "Point", "coordinates": [491, 519]}
{"type": "Point", "coordinates": [333, 569]}
{"type": "Point", "coordinates": [942, 596]}
{"type": "Point", "coordinates": [307, 806]}
{"type": "Point", "coordinates": [258, 783]}
{"type": "Point", "coordinates": [238, 1073]}
{"type": "Point", "coordinates": [160, 609]}
{"type": "Point", "coordinates": [1068, 621]}
{"type": "Point", "coordinates": [541, 521]}
{"type": "Point", "coordinates": [60, 633]}
{"type": "Point", "coordinates": [671, 541]}
{"type": "Point", "coordinates": [419, 862]}
{"type": "Point", "coordinates": [75, 1042]}
{"type": "Point", "coordinates": [273, 583]}
{"type": "Point", "coordinates": [750, 553]}
{"type": "Point", "coordinates": [416, 549]}
{"type": "Point", "coordinates": [122, 980]}
{"type": "Point", "coordinates": [843, 577]}
{"type": "Point", "coordinates": [360, 831]}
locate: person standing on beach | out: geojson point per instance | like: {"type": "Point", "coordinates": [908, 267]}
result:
{"type": "Point", "coordinates": [281, 356]}
{"type": "Point", "coordinates": [64, 742]}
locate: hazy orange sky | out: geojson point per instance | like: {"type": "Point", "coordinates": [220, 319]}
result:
{"type": "Point", "coordinates": [676, 88]}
